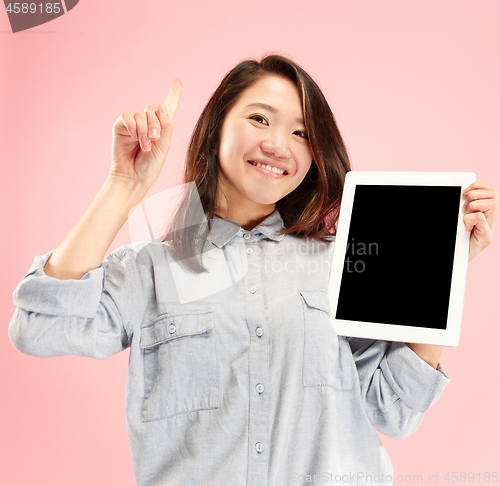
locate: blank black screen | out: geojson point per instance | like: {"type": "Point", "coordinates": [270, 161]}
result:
{"type": "Point", "coordinates": [399, 258]}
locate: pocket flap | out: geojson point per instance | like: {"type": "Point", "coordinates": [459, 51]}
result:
{"type": "Point", "coordinates": [174, 325]}
{"type": "Point", "coordinates": [316, 298]}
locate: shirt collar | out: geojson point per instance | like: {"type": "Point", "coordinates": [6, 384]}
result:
{"type": "Point", "coordinates": [223, 230]}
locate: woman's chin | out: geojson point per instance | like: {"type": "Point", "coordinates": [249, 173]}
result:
{"type": "Point", "coordinates": [268, 200]}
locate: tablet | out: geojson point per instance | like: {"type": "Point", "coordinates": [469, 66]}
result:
{"type": "Point", "coordinates": [400, 260]}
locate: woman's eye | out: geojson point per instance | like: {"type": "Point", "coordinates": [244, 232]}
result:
{"type": "Point", "coordinates": [259, 119]}
{"type": "Point", "coordinates": [301, 134]}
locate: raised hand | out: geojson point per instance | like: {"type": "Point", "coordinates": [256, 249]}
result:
{"type": "Point", "coordinates": [480, 215]}
{"type": "Point", "coordinates": [141, 142]}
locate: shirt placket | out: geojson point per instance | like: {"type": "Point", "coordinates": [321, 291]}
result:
{"type": "Point", "coordinates": [258, 445]}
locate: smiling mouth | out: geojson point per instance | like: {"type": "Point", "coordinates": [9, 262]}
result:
{"type": "Point", "coordinates": [274, 170]}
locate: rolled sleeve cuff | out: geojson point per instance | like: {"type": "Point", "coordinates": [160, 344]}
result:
{"type": "Point", "coordinates": [415, 382]}
{"type": "Point", "coordinates": [37, 292]}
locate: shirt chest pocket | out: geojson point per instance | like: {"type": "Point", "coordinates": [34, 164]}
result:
{"type": "Point", "coordinates": [327, 358]}
{"type": "Point", "coordinates": [180, 365]}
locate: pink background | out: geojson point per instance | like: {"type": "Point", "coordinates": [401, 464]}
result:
{"type": "Point", "coordinates": [414, 86]}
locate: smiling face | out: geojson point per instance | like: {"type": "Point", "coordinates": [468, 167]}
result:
{"type": "Point", "coordinates": [263, 150]}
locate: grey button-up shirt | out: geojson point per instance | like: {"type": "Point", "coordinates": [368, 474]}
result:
{"type": "Point", "coordinates": [236, 376]}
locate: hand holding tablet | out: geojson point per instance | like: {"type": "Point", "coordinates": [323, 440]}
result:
{"type": "Point", "coordinates": [399, 269]}
{"type": "Point", "coordinates": [481, 204]}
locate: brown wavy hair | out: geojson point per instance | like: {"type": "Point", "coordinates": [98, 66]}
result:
{"type": "Point", "coordinates": [311, 210]}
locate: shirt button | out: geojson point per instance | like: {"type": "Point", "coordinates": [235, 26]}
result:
{"type": "Point", "coordinates": [246, 235]}
{"type": "Point", "coordinates": [249, 251]}
{"type": "Point", "coordinates": [259, 331]}
{"type": "Point", "coordinates": [259, 387]}
{"type": "Point", "coordinates": [253, 289]}
{"type": "Point", "coordinates": [259, 447]}
{"type": "Point", "coordinates": [171, 328]}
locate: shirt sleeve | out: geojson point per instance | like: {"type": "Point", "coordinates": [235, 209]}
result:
{"type": "Point", "coordinates": [87, 317]}
{"type": "Point", "coordinates": [396, 385]}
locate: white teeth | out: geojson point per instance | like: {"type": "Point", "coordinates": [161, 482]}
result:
{"type": "Point", "coordinates": [269, 168]}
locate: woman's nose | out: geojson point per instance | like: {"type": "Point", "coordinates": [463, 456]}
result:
{"type": "Point", "coordinates": [276, 145]}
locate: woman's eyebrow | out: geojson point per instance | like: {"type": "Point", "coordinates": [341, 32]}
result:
{"type": "Point", "coordinates": [272, 109]}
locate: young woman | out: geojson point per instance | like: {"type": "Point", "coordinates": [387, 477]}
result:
{"type": "Point", "coordinates": [235, 375]}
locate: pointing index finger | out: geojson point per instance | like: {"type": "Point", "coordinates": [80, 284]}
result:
{"type": "Point", "coordinates": [173, 97]}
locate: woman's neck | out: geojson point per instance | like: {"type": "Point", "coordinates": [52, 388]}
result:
{"type": "Point", "coordinates": [246, 217]}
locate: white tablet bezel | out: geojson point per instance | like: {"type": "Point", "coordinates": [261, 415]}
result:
{"type": "Point", "coordinates": [392, 332]}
